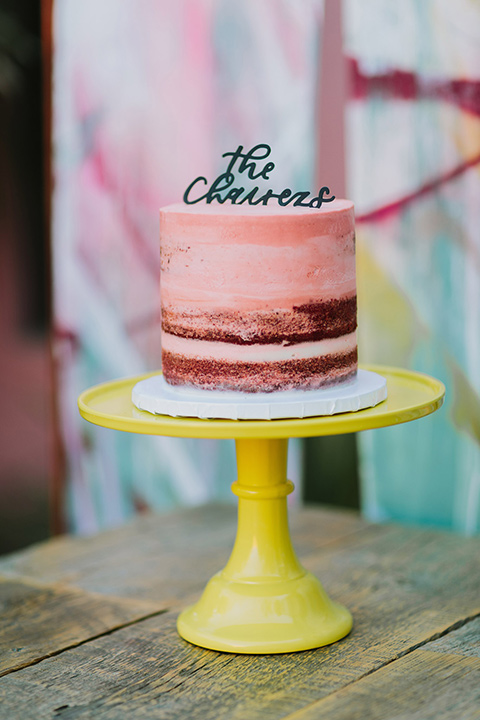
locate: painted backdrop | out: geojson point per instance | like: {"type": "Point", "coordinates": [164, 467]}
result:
{"type": "Point", "coordinates": [147, 95]}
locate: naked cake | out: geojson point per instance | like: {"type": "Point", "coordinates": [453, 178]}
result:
{"type": "Point", "coordinates": [258, 299]}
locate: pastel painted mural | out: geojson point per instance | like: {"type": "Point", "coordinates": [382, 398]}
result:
{"type": "Point", "coordinates": [148, 94]}
{"type": "Point", "coordinates": [413, 127]}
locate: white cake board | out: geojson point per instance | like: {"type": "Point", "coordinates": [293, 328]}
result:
{"type": "Point", "coordinates": [156, 396]}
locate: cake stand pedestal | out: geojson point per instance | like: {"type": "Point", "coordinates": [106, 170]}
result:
{"type": "Point", "coordinates": [264, 601]}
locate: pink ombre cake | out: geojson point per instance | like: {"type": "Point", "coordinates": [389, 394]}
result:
{"type": "Point", "coordinates": [258, 299]}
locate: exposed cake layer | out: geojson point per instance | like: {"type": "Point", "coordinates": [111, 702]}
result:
{"type": "Point", "coordinates": [309, 322]}
{"type": "Point", "coordinates": [252, 377]}
{"type": "Point", "coordinates": [258, 299]}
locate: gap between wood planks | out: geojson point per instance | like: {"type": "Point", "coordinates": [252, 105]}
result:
{"type": "Point", "coordinates": [416, 646]}
{"type": "Point", "coordinates": [54, 653]}
{"type": "Point", "coordinates": [436, 636]}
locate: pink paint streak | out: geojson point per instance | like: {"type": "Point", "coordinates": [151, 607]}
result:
{"type": "Point", "coordinates": [395, 207]}
{"type": "Point", "coordinates": [463, 93]}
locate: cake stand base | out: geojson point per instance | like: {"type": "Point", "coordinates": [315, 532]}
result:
{"type": "Point", "coordinates": [263, 601]}
{"type": "Point", "coordinates": [264, 618]}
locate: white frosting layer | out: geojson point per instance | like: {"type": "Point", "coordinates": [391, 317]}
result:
{"type": "Point", "coordinates": [204, 349]}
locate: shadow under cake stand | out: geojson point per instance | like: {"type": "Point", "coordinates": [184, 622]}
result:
{"type": "Point", "coordinates": [264, 601]}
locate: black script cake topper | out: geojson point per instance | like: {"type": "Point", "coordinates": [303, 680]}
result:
{"type": "Point", "coordinates": [221, 189]}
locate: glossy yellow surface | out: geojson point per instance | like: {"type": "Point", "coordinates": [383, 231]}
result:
{"type": "Point", "coordinates": [264, 601]}
{"type": "Point", "coordinates": [411, 395]}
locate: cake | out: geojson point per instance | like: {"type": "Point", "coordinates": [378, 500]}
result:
{"type": "Point", "coordinates": [258, 298]}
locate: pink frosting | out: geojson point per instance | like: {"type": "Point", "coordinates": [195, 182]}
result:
{"type": "Point", "coordinates": [218, 257]}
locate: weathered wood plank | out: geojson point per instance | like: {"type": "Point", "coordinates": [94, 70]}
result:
{"type": "Point", "coordinates": [421, 581]}
{"type": "Point", "coordinates": [438, 682]}
{"type": "Point", "coordinates": [163, 558]}
{"type": "Point", "coordinates": [38, 620]}
{"type": "Point", "coordinates": [147, 672]}
{"type": "Point", "coordinates": [405, 586]}
{"type": "Point", "coordinates": [464, 641]}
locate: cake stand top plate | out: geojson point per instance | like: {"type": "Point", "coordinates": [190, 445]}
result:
{"type": "Point", "coordinates": [411, 395]}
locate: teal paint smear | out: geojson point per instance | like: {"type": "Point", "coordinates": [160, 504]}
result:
{"type": "Point", "coordinates": [423, 471]}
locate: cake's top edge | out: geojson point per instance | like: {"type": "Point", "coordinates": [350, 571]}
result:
{"type": "Point", "coordinates": [216, 209]}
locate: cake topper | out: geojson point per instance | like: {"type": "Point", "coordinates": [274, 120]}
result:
{"type": "Point", "coordinates": [221, 189]}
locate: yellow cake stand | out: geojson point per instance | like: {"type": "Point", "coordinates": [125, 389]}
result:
{"type": "Point", "coordinates": [264, 601]}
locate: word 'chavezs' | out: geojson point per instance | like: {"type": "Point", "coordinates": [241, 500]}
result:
{"type": "Point", "coordinates": [221, 189]}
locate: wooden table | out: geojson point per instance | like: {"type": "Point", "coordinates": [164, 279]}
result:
{"type": "Point", "coordinates": [87, 625]}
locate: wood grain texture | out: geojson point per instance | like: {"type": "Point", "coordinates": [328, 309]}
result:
{"type": "Point", "coordinates": [163, 558]}
{"type": "Point", "coordinates": [405, 586]}
{"type": "Point", "coordinates": [39, 620]}
{"type": "Point", "coordinates": [464, 641]}
{"type": "Point", "coordinates": [146, 671]}
{"type": "Point", "coordinates": [439, 681]}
